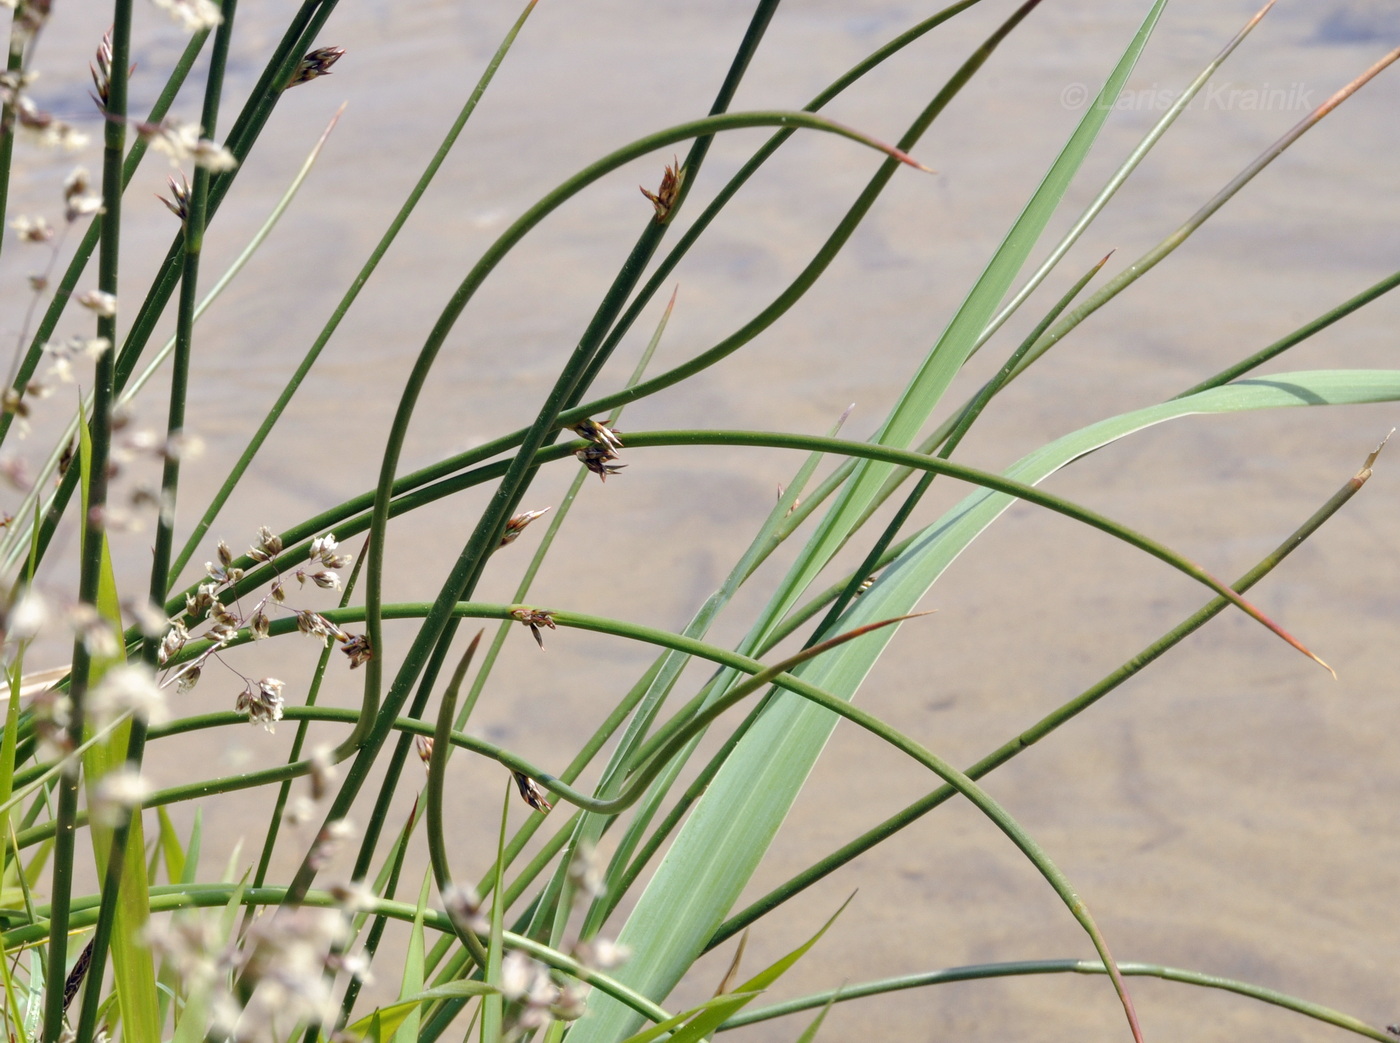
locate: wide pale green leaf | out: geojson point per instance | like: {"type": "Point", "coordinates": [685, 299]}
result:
{"type": "Point", "coordinates": [732, 825]}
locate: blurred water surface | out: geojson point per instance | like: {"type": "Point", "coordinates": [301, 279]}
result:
{"type": "Point", "coordinates": [1233, 810]}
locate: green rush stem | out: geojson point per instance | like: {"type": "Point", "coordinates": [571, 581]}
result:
{"type": "Point", "coordinates": [394, 771]}
{"type": "Point", "coordinates": [7, 123]}
{"type": "Point", "coordinates": [179, 381]}
{"type": "Point", "coordinates": [437, 772]}
{"type": "Point", "coordinates": [965, 420]}
{"type": "Point", "coordinates": [241, 138]}
{"type": "Point", "coordinates": [299, 740]}
{"type": "Point", "coordinates": [172, 897]}
{"type": "Point", "coordinates": [352, 292]}
{"type": "Point", "coordinates": [63, 291]}
{"type": "Point", "coordinates": [379, 922]}
{"type": "Point", "coordinates": [979, 972]}
{"type": "Point", "coordinates": [1158, 253]}
{"type": "Point", "coordinates": [93, 540]}
{"type": "Point", "coordinates": [451, 465]}
{"type": "Point", "coordinates": [597, 342]}
{"type": "Point", "coordinates": [1040, 729]}
{"type": "Point", "coordinates": [750, 167]}
{"type": "Point", "coordinates": [1302, 333]}
{"type": "Point", "coordinates": [486, 535]}
{"type": "Point", "coordinates": [196, 217]}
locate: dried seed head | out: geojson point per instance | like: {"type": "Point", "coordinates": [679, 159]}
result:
{"type": "Point", "coordinates": [601, 954]}
{"type": "Point", "coordinates": [313, 624]}
{"type": "Point", "coordinates": [598, 434]}
{"type": "Point", "coordinates": [99, 301]}
{"type": "Point", "coordinates": [101, 69]}
{"type": "Point", "coordinates": [424, 745]}
{"type": "Point", "coordinates": [516, 525]}
{"type": "Point", "coordinates": [182, 143]}
{"type": "Point", "coordinates": [322, 772]}
{"type": "Point", "coordinates": [116, 794]}
{"type": "Point", "coordinates": [261, 701]}
{"type": "Point", "coordinates": [93, 631]}
{"type": "Point", "coordinates": [586, 871]}
{"type": "Point", "coordinates": [329, 841]}
{"type": "Point", "coordinates": [534, 619]}
{"type": "Point", "coordinates": [172, 642]}
{"type": "Point", "coordinates": [200, 601]}
{"type": "Point", "coordinates": [323, 578]}
{"type": "Point", "coordinates": [193, 15]}
{"type": "Point", "coordinates": [269, 545]}
{"type": "Point", "coordinates": [357, 649]}
{"type": "Point", "coordinates": [463, 906]}
{"type": "Point", "coordinates": [179, 201]}
{"type": "Point", "coordinates": [664, 198]}
{"type": "Point", "coordinates": [531, 793]}
{"type": "Point", "coordinates": [597, 459]}
{"type": "Point", "coordinates": [222, 615]}
{"type": "Point", "coordinates": [128, 688]}
{"type": "Point", "coordinates": [316, 63]}
{"type": "Point", "coordinates": [572, 1002]}
{"type": "Point", "coordinates": [79, 200]}
{"type": "Point", "coordinates": [32, 229]}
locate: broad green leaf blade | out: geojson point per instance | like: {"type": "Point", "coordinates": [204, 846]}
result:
{"type": "Point", "coordinates": [412, 982]}
{"type": "Point", "coordinates": [391, 1017]}
{"type": "Point", "coordinates": [732, 826]}
{"type": "Point", "coordinates": [729, 1001]}
{"type": "Point", "coordinates": [709, 1020]}
{"type": "Point", "coordinates": [948, 355]}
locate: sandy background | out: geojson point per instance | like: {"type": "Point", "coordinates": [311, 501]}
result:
{"type": "Point", "coordinates": [1234, 810]}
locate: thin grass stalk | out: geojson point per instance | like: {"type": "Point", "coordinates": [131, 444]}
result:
{"type": "Point", "coordinates": [294, 755]}
{"type": "Point", "coordinates": [240, 140]}
{"type": "Point", "coordinates": [171, 898]}
{"type": "Point", "coordinates": [1138, 154]}
{"type": "Point", "coordinates": [369, 841]}
{"type": "Point", "coordinates": [1029, 493]}
{"type": "Point", "coordinates": [492, 523]}
{"type": "Point", "coordinates": [386, 240]}
{"type": "Point", "coordinates": [761, 156]}
{"type": "Point", "coordinates": [1027, 738]}
{"type": "Point", "coordinates": [964, 423]}
{"type": "Point", "coordinates": [595, 346]}
{"type": "Point", "coordinates": [93, 541]}
{"type": "Point", "coordinates": [14, 63]}
{"type": "Point", "coordinates": [437, 771]}
{"type": "Point", "coordinates": [1162, 250]}
{"type": "Point", "coordinates": [9, 551]}
{"type": "Point", "coordinates": [1299, 335]}
{"type": "Point", "coordinates": [985, 971]}
{"type": "Point", "coordinates": [63, 290]}
{"type": "Point", "coordinates": [378, 923]}
{"type": "Point", "coordinates": [189, 290]}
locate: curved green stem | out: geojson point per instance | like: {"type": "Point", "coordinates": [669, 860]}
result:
{"type": "Point", "coordinates": [1043, 727]}
{"type": "Point", "coordinates": [984, 971]}
{"type": "Point", "coordinates": [294, 383]}
{"type": "Point", "coordinates": [173, 897]}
